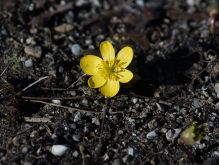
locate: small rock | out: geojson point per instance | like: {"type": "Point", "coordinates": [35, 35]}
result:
{"type": "Point", "coordinates": [130, 151]}
{"type": "Point", "coordinates": [24, 150]}
{"type": "Point", "coordinates": [76, 49]}
{"type": "Point", "coordinates": [172, 134]}
{"type": "Point", "coordinates": [27, 163]}
{"type": "Point", "coordinates": [134, 100]}
{"type": "Point", "coordinates": [117, 162]}
{"type": "Point", "coordinates": [151, 135]}
{"type": "Point", "coordinates": [69, 17]}
{"type": "Point", "coordinates": [152, 124]}
{"type": "Point", "coordinates": [77, 117]}
{"type": "Point", "coordinates": [57, 102]}
{"type": "Point", "coordinates": [196, 103]}
{"type": "Point", "coordinates": [126, 159]}
{"type": "Point", "coordinates": [76, 138]}
{"type": "Point", "coordinates": [96, 121]}
{"type": "Point", "coordinates": [75, 154]}
{"type": "Point", "coordinates": [73, 126]}
{"type": "Point", "coordinates": [61, 69]}
{"type": "Point", "coordinates": [34, 134]}
{"type": "Point", "coordinates": [28, 63]}
{"type": "Point", "coordinates": [33, 50]}
{"type": "Point", "coordinates": [58, 150]}
{"type": "Point", "coordinates": [64, 28]}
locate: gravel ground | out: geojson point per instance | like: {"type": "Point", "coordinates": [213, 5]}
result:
{"type": "Point", "coordinates": [49, 115]}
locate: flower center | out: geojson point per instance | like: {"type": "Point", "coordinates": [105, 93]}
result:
{"type": "Point", "coordinates": [111, 69]}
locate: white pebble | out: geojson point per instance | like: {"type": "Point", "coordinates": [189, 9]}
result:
{"type": "Point", "coordinates": [151, 135]}
{"type": "Point", "coordinates": [28, 63]}
{"type": "Point", "coordinates": [172, 134]}
{"type": "Point", "coordinates": [58, 150]}
{"type": "Point", "coordinates": [76, 49]}
{"type": "Point", "coordinates": [77, 117]}
{"type": "Point", "coordinates": [96, 121]}
{"type": "Point", "coordinates": [57, 102]}
{"type": "Point", "coordinates": [75, 154]}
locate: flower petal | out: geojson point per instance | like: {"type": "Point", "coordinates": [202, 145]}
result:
{"type": "Point", "coordinates": [110, 89]}
{"type": "Point", "coordinates": [96, 81]}
{"type": "Point", "coordinates": [107, 51]}
{"type": "Point", "coordinates": [125, 76]}
{"type": "Point", "coordinates": [89, 64]}
{"type": "Point", "coordinates": [125, 56]}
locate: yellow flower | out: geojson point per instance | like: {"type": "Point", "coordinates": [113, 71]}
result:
{"type": "Point", "coordinates": [109, 72]}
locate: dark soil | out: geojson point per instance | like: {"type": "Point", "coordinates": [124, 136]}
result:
{"type": "Point", "coordinates": [45, 101]}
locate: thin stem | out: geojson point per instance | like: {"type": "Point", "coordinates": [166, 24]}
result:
{"type": "Point", "coordinates": [104, 117]}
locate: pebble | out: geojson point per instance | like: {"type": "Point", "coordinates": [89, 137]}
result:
{"type": "Point", "coordinates": [76, 138]}
{"type": "Point", "coordinates": [61, 69]}
{"type": "Point", "coordinates": [80, 3]}
{"type": "Point", "coordinates": [126, 159]}
{"type": "Point", "coordinates": [172, 134]}
{"type": "Point", "coordinates": [69, 17]}
{"type": "Point", "coordinates": [28, 63]}
{"type": "Point", "coordinates": [96, 121]}
{"type": "Point", "coordinates": [196, 103]}
{"type": "Point", "coordinates": [24, 150]}
{"type": "Point", "coordinates": [30, 40]}
{"type": "Point", "coordinates": [73, 126]}
{"type": "Point", "coordinates": [76, 49]}
{"type": "Point", "coordinates": [57, 102]}
{"type": "Point", "coordinates": [152, 124]}
{"type": "Point", "coordinates": [33, 50]}
{"type": "Point", "coordinates": [64, 28]}
{"type": "Point", "coordinates": [84, 102]}
{"type": "Point", "coordinates": [58, 150]}
{"type": "Point", "coordinates": [130, 151]}
{"type": "Point", "coordinates": [134, 100]}
{"type": "Point", "coordinates": [117, 161]}
{"type": "Point", "coordinates": [75, 154]}
{"type": "Point", "coordinates": [27, 163]}
{"type": "Point", "coordinates": [77, 117]}
{"type": "Point", "coordinates": [216, 87]}
{"type": "Point", "coordinates": [151, 135]}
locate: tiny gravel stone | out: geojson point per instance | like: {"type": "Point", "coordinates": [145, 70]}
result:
{"type": "Point", "coordinates": [84, 102]}
{"type": "Point", "coordinates": [57, 102]}
{"type": "Point", "coordinates": [69, 17]}
{"type": "Point", "coordinates": [28, 63]}
{"type": "Point", "coordinates": [196, 103]}
{"type": "Point", "coordinates": [134, 100]}
{"type": "Point", "coordinates": [76, 138]}
{"type": "Point", "coordinates": [58, 150]}
{"type": "Point", "coordinates": [23, 59]}
{"type": "Point", "coordinates": [96, 121]}
{"type": "Point", "coordinates": [73, 126]}
{"type": "Point", "coordinates": [152, 124]}
{"type": "Point", "coordinates": [24, 150]}
{"type": "Point", "coordinates": [61, 69]}
{"type": "Point", "coordinates": [130, 151]}
{"type": "Point", "coordinates": [77, 117]}
{"type": "Point", "coordinates": [126, 159]}
{"type": "Point", "coordinates": [216, 87]}
{"type": "Point", "coordinates": [27, 163]}
{"type": "Point", "coordinates": [33, 50]}
{"type": "Point", "coordinates": [151, 135]}
{"type": "Point", "coordinates": [30, 40]}
{"type": "Point", "coordinates": [52, 73]}
{"type": "Point", "coordinates": [75, 154]}
{"type": "Point", "coordinates": [64, 28]}
{"type": "Point", "coordinates": [76, 49]}
{"type": "Point", "coordinates": [172, 134]}
{"type": "Point", "coordinates": [117, 162]}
